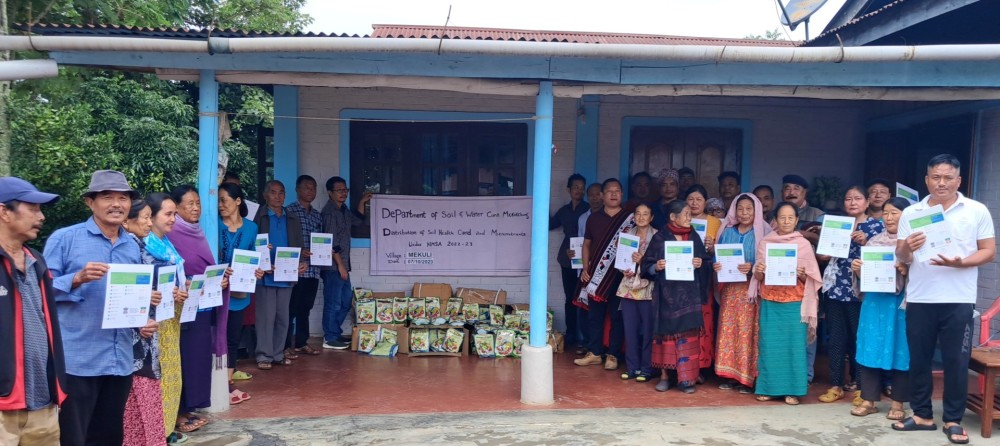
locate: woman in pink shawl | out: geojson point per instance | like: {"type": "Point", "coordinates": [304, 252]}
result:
{"type": "Point", "coordinates": [787, 312]}
{"type": "Point", "coordinates": [736, 350]}
{"type": "Point", "coordinates": [206, 335]}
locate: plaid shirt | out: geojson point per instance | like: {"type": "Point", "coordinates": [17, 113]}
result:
{"type": "Point", "coordinates": [312, 221]}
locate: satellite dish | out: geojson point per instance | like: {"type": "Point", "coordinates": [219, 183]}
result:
{"type": "Point", "coordinates": [798, 11]}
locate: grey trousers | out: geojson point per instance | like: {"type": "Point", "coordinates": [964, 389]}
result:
{"type": "Point", "coordinates": [272, 322]}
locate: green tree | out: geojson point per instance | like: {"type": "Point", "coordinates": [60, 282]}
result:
{"type": "Point", "coordinates": [771, 34]}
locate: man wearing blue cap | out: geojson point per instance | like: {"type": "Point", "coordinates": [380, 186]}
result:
{"type": "Point", "coordinates": [32, 375]}
{"type": "Point", "coordinates": [98, 373]}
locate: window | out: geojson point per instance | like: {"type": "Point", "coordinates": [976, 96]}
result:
{"type": "Point", "coordinates": [447, 159]}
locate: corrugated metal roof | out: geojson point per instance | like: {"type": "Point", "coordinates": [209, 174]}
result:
{"type": "Point", "coordinates": [855, 21]}
{"type": "Point", "coordinates": [170, 33]}
{"type": "Point", "coordinates": [468, 33]}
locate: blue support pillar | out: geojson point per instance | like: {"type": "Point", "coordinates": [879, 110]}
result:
{"type": "Point", "coordinates": [587, 125]}
{"type": "Point", "coordinates": [286, 138]}
{"type": "Point", "coordinates": [536, 362]}
{"type": "Point", "coordinates": [208, 155]}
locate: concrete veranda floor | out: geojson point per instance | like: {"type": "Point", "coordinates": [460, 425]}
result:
{"type": "Point", "coordinates": [345, 398]}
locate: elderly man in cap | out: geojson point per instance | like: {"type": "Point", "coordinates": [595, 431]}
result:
{"type": "Point", "coordinates": [793, 190]}
{"type": "Point", "coordinates": [32, 379]}
{"type": "Point", "coordinates": [98, 373]}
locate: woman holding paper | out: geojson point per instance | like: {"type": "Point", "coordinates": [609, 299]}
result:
{"type": "Point", "coordinates": [882, 344]}
{"type": "Point", "coordinates": [235, 232]}
{"type": "Point", "coordinates": [144, 406]}
{"type": "Point", "coordinates": [843, 306]}
{"type": "Point", "coordinates": [736, 357]}
{"type": "Point", "coordinates": [677, 305]}
{"type": "Point", "coordinates": [787, 312]}
{"type": "Point", "coordinates": [637, 305]}
{"type": "Point", "coordinates": [697, 199]}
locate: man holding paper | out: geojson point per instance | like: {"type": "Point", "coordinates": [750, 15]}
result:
{"type": "Point", "coordinates": [941, 295]}
{"type": "Point", "coordinates": [338, 218]}
{"type": "Point", "coordinates": [273, 296]}
{"type": "Point", "coordinates": [567, 218]}
{"type": "Point", "coordinates": [98, 373]}
{"type": "Point", "coordinates": [304, 291]}
{"type": "Point", "coordinates": [32, 380]}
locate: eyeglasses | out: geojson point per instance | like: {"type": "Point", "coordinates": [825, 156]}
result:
{"type": "Point", "coordinates": [341, 190]}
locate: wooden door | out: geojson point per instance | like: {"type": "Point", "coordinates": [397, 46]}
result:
{"type": "Point", "coordinates": [708, 151]}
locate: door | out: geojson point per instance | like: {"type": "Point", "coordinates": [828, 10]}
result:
{"type": "Point", "coordinates": [708, 151]}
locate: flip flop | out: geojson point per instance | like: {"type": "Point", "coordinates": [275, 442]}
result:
{"type": "Point", "coordinates": [307, 350]}
{"type": "Point", "coordinates": [909, 424]}
{"type": "Point", "coordinates": [187, 427]}
{"type": "Point", "coordinates": [240, 375]}
{"type": "Point", "coordinates": [264, 365]}
{"type": "Point", "coordinates": [953, 430]}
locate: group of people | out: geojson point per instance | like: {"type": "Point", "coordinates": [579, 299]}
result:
{"type": "Point", "coordinates": [760, 338]}
{"type": "Point", "coordinates": [146, 385]}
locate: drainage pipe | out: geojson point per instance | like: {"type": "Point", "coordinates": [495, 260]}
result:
{"type": "Point", "coordinates": [13, 70]}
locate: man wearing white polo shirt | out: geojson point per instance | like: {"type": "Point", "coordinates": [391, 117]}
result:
{"type": "Point", "coordinates": [941, 296]}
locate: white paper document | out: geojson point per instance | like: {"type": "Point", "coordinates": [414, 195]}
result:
{"type": "Point", "coordinates": [878, 269]}
{"type": "Point", "coordinates": [931, 222]}
{"type": "Point", "coordinates": [700, 226]}
{"type": "Point", "coordinates": [576, 244]}
{"type": "Point", "coordinates": [195, 291]}
{"type": "Point", "coordinates": [127, 296]}
{"type": "Point", "coordinates": [260, 245]}
{"type": "Point", "coordinates": [286, 264]}
{"type": "Point", "coordinates": [321, 249]}
{"type": "Point", "coordinates": [166, 281]}
{"type": "Point", "coordinates": [730, 256]}
{"type": "Point", "coordinates": [628, 244]}
{"type": "Point", "coordinates": [212, 297]}
{"type": "Point", "coordinates": [835, 238]}
{"type": "Point", "coordinates": [782, 262]}
{"type": "Point", "coordinates": [244, 265]}
{"type": "Point", "coordinates": [679, 258]}
{"type": "Point", "coordinates": [252, 208]}
{"type": "Point", "coordinates": [908, 193]}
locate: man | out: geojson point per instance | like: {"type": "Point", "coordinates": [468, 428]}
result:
{"type": "Point", "coordinates": [729, 187]}
{"type": "Point", "coordinates": [794, 189]}
{"type": "Point", "coordinates": [879, 192]}
{"type": "Point", "coordinates": [686, 179]}
{"type": "Point", "coordinates": [640, 190]}
{"type": "Point", "coordinates": [337, 291]}
{"type": "Point", "coordinates": [304, 291]}
{"type": "Point", "coordinates": [99, 369]}
{"type": "Point", "coordinates": [765, 194]}
{"type": "Point", "coordinates": [596, 203]}
{"type": "Point", "coordinates": [567, 217]}
{"type": "Point", "coordinates": [32, 373]}
{"type": "Point", "coordinates": [941, 295]}
{"type": "Point", "coordinates": [283, 229]}
{"type": "Point", "coordinates": [600, 279]}
{"type": "Point", "coordinates": [669, 182]}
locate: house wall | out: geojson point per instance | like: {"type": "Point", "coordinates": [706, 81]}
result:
{"type": "Point", "coordinates": [988, 192]}
{"type": "Point", "coordinates": [808, 137]}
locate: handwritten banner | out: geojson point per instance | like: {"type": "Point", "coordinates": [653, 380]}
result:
{"type": "Point", "coordinates": [451, 236]}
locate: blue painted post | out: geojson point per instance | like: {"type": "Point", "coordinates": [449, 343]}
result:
{"type": "Point", "coordinates": [541, 185]}
{"type": "Point", "coordinates": [286, 139]}
{"type": "Point", "coordinates": [208, 155]}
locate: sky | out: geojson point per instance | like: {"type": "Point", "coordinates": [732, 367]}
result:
{"type": "Point", "coordinates": [703, 18]}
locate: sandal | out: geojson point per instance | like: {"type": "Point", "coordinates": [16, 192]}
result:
{"type": "Point", "coordinates": [835, 393]}
{"type": "Point", "coordinates": [857, 399]}
{"type": "Point", "coordinates": [910, 424]}
{"type": "Point", "coordinates": [187, 427]}
{"type": "Point", "coordinates": [307, 350]}
{"type": "Point", "coordinates": [284, 361]}
{"type": "Point", "coordinates": [792, 400]}
{"type": "Point", "coordinates": [290, 354]}
{"type": "Point", "coordinates": [729, 385]}
{"type": "Point", "coordinates": [238, 396]}
{"type": "Point", "coordinates": [956, 430]}
{"type": "Point", "coordinates": [744, 390]}
{"type": "Point", "coordinates": [177, 438]}
{"type": "Point", "coordinates": [864, 409]}
{"type": "Point", "coordinates": [896, 413]}
{"type": "Point", "coordinates": [240, 375]}
{"type": "Point", "coordinates": [763, 398]}
{"type": "Point", "coordinates": [851, 387]}
{"type": "Point", "coordinates": [264, 365]}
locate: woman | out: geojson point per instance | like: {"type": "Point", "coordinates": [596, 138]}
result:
{"type": "Point", "coordinates": [787, 313]}
{"type": "Point", "coordinates": [637, 306]}
{"type": "Point", "coordinates": [843, 307]}
{"type": "Point", "coordinates": [882, 346]}
{"type": "Point", "coordinates": [235, 232]}
{"type": "Point", "coordinates": [736, 357]}
{"type": "Point", "coordinates": [715, 208]}
{"type": "Point", "coordinates": [161, 252]}
{"type": "Point", "coordinates": [697, 198]}
{"type": "Point", "coordinates": [199, 339]}
{"type": "Point", "coordinates": [144, 406]}
{"type": "Point", "coordinates": [677, 305]}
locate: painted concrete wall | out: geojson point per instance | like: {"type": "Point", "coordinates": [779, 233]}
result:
{"type": "Point", "coordinates": [807, 137]}
{"type": "Point", "coordinates": [988, 192]}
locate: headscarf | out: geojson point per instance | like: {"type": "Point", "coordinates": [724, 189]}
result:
{"type": "Point", "coordinates": [806, 258]}
{"type": "Point", "coordinates": [760, 228]}
{"type": "Point", "coordinates": [190, 241]}
{"type": "Point", "coordinates": [714, 204]}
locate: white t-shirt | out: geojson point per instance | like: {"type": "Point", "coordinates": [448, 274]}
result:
{"type": "Point", "coordinates": [969, 221]}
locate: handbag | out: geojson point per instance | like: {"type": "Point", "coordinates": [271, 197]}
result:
{"type": "Point", "coordinates": [635, 287]}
